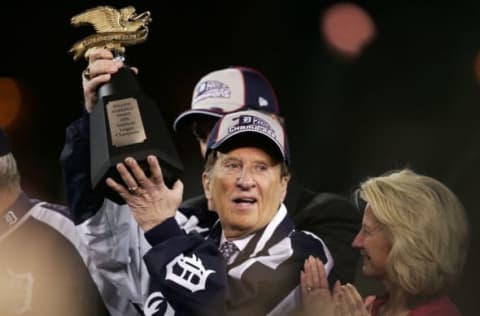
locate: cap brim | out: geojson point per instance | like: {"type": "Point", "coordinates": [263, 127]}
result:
{"type": "Point", "coordinates": [251, 138]}
{"type": "Point", "coordinates": [186, 118]}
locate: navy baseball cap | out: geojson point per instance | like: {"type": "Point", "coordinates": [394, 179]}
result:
{"type": "Point", "coordinates": [229, 90]}
{"type": "Point", "coordinates": [4, 147]}
{"type": "Point", "coordinates": [253, 126]}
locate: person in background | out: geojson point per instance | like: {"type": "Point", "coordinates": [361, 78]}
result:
{"type": "Point", "coordinates": [250, 261]}
{"type": "Point", "coordinates": [42, 269]}
{"type": "Point", "coordinates": [414, 238]}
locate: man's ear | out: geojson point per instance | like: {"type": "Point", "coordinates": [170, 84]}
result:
{"type": "Point", "coordinates": [285, 180]}
{"type": "Point", "coordinates": [206, 185]}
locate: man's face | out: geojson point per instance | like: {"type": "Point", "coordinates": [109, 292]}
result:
{"type": "Point", "coordinates": [247, 189]}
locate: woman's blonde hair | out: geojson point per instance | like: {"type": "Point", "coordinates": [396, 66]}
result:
{"type": "Point", "coordinates": [427, 228]}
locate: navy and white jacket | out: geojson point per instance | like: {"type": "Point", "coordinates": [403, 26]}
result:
{"type": "Point", "coordinates": [115, 245]}
{"type": "Point", "coordinates": [189, 276]}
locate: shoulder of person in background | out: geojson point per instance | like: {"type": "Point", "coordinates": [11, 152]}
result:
{"type": "Point", "coordinates": [58, 208]}
{"type": "Point", "coordinates": [45, 237]}
{"type": "Point", "coordinates": [331, 217]}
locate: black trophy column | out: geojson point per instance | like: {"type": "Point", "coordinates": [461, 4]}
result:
{"type": "Point", "coordinates": [126, 122]}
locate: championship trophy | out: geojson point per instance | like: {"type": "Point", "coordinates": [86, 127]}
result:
{"type": "Point", "coordinates": [124, 122]}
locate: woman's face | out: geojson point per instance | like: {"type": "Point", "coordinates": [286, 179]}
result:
{"type": "Point", "coordinates": [373, 244]}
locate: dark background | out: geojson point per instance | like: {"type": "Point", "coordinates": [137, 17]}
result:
{"type": "Point", "coordinates": [410, 99]}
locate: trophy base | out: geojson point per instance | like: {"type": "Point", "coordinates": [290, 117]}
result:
{"type": "Point", "coordinates": [170, 174]}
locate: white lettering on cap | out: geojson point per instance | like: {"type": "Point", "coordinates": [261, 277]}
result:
{"type": "Point", "coordinates": [212, 89]}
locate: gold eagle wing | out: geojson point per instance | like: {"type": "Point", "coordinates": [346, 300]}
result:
{"type": "Point", "coordinates": [103, 19]}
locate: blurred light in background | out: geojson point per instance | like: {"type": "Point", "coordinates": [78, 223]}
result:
{"type": "Point", "coordinates": [10, 101]}
{"type": "Point", "coordinates": [347, 29]}
{"type": "Point", "coordinates": [477, 66]}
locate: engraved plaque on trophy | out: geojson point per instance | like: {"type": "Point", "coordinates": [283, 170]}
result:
{"type": "Point", "coordinates": [125, 121]}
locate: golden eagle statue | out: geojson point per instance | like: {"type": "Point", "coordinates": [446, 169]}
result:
{"type": "Point", "coordinates": [115, 28]}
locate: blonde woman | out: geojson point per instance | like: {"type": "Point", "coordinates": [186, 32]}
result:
{"type": "Point", "coordinates": [414, 238]}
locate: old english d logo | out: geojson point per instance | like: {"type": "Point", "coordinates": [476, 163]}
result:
{"type": "Point", "coordinates": [188, 272]}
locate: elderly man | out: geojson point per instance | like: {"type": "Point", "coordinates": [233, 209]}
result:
{"type": "Point", "coordinates": [250, 261]}
{"type": "Point", "coordinates": [113, 237]}
{"type": "Point", "coordinates": [217, 93]}
{"type": "Point", "coordinates": [41, 266]}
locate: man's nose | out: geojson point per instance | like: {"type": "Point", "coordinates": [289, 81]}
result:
{"type": "Point", "coordinates": [246, 179]}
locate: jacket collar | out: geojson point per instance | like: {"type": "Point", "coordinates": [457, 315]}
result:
{"type": "Point", "coordinates": [15, 215]}
{"type": "Point", "coordinates": [279, 227]}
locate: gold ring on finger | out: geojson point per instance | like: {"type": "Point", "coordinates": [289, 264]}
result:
{"type": "Point", "coordinates": [133, 190]}
{"type": "Point", "coordinates": [86, 74]}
